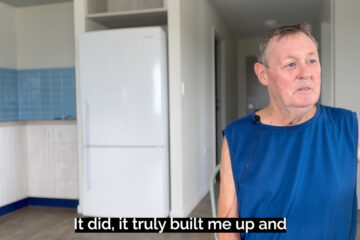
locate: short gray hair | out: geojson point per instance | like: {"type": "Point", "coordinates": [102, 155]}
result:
{"type": "Point", "coordinates": [280, 32]}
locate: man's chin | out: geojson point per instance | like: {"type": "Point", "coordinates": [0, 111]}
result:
{"type": "Point", "coordinates": [305, 105]}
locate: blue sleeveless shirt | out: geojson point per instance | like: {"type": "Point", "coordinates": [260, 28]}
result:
{"type": "Point", "coordinates": [305, 172]}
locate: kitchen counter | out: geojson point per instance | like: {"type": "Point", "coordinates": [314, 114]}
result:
{"type": "Point", "coordinates": [37, 122]}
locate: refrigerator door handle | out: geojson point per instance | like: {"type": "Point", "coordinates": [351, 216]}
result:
{"type": "Point", "coordinates": [87, 134]}
{"type": "Point", "coordinates": [87, 155]}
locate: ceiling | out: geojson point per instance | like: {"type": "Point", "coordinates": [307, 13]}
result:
{"type": "Point", "coordinates": [246, 17]}
{"type": "Point", "coordinates": [26, 3]}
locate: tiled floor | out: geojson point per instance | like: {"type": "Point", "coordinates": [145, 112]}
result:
{"type": "Point", "coordinates": [41, 223]}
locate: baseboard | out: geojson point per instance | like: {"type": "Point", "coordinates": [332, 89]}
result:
{"type": "Point", "coordinates": [14, 206]}
{"type": "Point", "coordinates": [53, 202]}
{"type": "Point", "coordinates": [35, 201]}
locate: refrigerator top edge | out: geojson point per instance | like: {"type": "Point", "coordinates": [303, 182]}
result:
{"type": "Point", "coordinates": [150, 29]}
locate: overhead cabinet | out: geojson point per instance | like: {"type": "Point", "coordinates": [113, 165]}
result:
{"type": "Point", "coordinates": [127, 13]}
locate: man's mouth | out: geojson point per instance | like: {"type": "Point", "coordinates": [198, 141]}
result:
{"type": "Point", "coordinates": [304, 89]}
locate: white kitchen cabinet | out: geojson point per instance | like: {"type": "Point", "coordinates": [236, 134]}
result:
{"type": "Point", "coordinates": [52, 160]}
{"type": "Point", "coordinates": [126, 13]}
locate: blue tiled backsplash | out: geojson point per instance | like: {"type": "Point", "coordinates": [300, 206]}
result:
{"type": "Point", "coordinates": [37, 94]}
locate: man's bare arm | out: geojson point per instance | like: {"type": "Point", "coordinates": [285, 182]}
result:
{"type": "Point", "coordinates": [358, 156]}
{"type": "Point", "coordinates": [227, 205]}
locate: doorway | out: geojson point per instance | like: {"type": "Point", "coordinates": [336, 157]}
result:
{"type": "Point", "coordinates": [218, 73]}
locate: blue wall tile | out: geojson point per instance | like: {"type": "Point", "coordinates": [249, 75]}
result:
{"type": "Point", "coordinates": [37, 94]}
{"type": "Point", "coordinates": [8, 94]}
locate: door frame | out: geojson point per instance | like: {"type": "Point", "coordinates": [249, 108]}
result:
{"type": "Point", "coordinates": [222, 82]}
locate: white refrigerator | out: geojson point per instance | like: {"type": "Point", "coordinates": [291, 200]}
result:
{"type": "Point", "coordinates": [124, 107]}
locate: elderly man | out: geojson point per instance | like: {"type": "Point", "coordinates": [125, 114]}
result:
{"type": "Point", "coordinates": [294, 158]}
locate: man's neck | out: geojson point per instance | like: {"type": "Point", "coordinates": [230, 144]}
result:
{"type": "Point", "coordinates": [273, 115]}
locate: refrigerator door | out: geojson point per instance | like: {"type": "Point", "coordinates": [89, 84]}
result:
{"type": "Point", "coordinates": [126, 182]}
{"type": "Point", "coordinates": [124, 87]}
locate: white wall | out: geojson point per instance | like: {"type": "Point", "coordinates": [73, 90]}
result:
{"type": "Point", "coordinates": [7, 36]}
{"type": "Point", "coordinates": [347, 52]}
{"type": "Point", "coordinates": [246, 47]}
{"type": "Point", "coordinates": [327, 96]}
{"type": "Point", "coordinates": [336, 28]}
{"type": "Point", "coordinates": [45, 36]}
{"type": "Point", "coordinates": [190, 63]}
{"type": "Point", "coordinates": [323, 32]}
{"type": "Point", "coordinates": [13, 164]}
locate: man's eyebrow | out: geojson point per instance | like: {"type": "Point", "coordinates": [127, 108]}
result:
{"type": "Point", "coordinates": [290, 57]}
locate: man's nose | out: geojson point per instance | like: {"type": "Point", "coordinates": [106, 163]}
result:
{"type": "Point", "coordinates": [304, 71]}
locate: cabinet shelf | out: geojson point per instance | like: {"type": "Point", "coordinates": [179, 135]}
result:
{"type": "Point", "coordinates": [145, 17]}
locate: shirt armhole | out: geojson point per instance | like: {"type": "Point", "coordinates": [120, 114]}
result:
{"type": "Point", "coordinates": [356, 132]}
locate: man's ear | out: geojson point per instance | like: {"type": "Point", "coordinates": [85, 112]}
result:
{"type": "Point", "coordinates": [260, 73]}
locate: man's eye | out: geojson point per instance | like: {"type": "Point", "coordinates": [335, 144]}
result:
{"type": "Point", "coordinates": [312, 61]}
{"type": "Point", "coordinates": [290, 64]}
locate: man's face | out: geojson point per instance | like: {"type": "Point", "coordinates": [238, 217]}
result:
{"type": "Point", "coordinates": [293, 72]}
